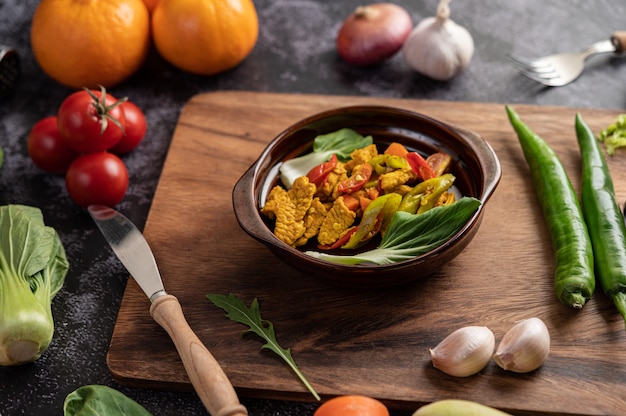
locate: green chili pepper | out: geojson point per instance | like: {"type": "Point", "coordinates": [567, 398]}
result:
{"type": "Point", "coordinates": [425, 194]}
{"type": "Point", "coordinates": [379, 164]}
{"type": "Point", "coordinates": [376, 216]}
{"type": "Point", "coordinates": [396, 162]}
{"type": "Point", "coordinates": [574, 280]}
{"type": "Point", "coordinates": [603, 216]}
{"type": "Point", "coordinates": [382, 163]}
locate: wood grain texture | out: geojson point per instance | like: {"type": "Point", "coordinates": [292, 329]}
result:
{"type": "Point", "coordinates": [349, 341]}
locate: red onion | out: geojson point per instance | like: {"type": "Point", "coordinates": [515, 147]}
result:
{"type": "Point", "coordinates": [373, 33]}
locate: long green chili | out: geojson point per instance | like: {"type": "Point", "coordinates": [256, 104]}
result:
{"type": "Point", "coordinates": [603, 217]}
{"type": "Point", "coordinates": [574, 280]}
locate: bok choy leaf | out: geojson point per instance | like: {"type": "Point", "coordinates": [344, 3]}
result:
{"type": "Point", "coordinates": [341, 142]}
{"type": "Point", "coordinates": [98, 400]}
{"type": "Point", "coordinates": [410, 235]}
{"type": "Point", "coordinates": [33, 266]}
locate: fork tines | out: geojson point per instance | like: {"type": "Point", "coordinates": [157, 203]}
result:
{"type": "Point", "coordinates": [537, 70]}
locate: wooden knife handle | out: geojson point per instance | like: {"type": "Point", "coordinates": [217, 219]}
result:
{"type": "Point", "coordinates": [619, 40]}
{"type": "Point", "coordinates": [205, 373]}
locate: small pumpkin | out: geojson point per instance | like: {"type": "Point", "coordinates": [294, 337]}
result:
{"type": "Point", "coordinates": [204, 37]}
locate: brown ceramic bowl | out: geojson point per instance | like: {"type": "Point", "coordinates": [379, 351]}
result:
{"type": "Point", "coordinates": [475, 166]}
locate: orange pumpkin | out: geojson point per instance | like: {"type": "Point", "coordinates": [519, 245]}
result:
{"type": "Point", "coordinates": [204, 37]}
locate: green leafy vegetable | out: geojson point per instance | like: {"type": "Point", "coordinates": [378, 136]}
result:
{"type": "Point", "coordinates": [1, 156]}
{"type": "Point", "coordinates": [237, 311]}
{"type": "Point", "coordinates": [96, 400]}
{"type": "Point", "coordinates": [341, 142]}
{"type": "Point", "coordinates": [33, 266]}
{"type": "Point", "coordinates": [410, 235]}
{"type": "Point", "coordinates": [614, 136]}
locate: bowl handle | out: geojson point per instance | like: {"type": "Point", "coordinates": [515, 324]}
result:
{"type": "Point", "coordinates": [492, 168]}
{"type": "Point", "coordinates": [246, 209]}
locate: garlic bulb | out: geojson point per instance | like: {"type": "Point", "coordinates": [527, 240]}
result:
{"type": "Point", "coordinates": [464, 352]}
{"type": "Point", "coordinates": [438, 47]}
{"type": "Point", "coordinates": [524, 347]}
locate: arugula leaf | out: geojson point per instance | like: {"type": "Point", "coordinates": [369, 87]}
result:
{"type": "Point", "coordinates": [341, 142]}
{"type": "Point", "coordinates": [237, 311]}
{"type": "Point", "coordinates": [410, 235]}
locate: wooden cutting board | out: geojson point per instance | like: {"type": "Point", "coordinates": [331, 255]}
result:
{"type": "Point", "coordinates": [350, 341]}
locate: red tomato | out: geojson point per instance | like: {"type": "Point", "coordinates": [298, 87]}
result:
{"type": "Point", "coordinates": [97, 178]}
{"type": "Point", "coordinates": [352, 406]}
{"type": "Point", "coordinates": [47, 149]}
{"type": "Point", "coordinates": [134, 128]}
{"type": "Point", "coordinates": [91, 121]}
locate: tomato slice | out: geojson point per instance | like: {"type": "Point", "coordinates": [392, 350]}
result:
{"type": "Point", "coordinates": [420, 166]}
{"type": "Point", "coordinates": [319, 173]}
{"type": "Point", "coordinates": [360, 175]}
{"type": "Point", "coordinates": [439, 163]}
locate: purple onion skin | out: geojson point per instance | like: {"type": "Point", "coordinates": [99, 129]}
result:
{"type": "Point", "coordinates": [374, 33]}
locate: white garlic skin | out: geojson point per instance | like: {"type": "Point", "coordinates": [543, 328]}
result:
{"type": "Point", "coordinates": [438, 47]}
{"type": "Point", "coordinates": [465, 351]}
{"type": "Point", "coordinates": [525, 347]}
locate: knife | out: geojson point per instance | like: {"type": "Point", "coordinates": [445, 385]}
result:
{"type": "Point", "coordinates": [206, 375]}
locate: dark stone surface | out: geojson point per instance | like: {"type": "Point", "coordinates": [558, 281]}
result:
{"type": "Point", "coordinates": [295, 53]}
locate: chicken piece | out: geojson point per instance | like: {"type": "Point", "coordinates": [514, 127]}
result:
{"type": "Point", "coordinates": [446, 199]}
{"type": "Point", "coordinates": [328, 190]}
{"type": "Point", "coordinates": [301, 193]}
{"type": "Point", "coordinates": [313, 221]}
{"type": "Point", "coordinates": [402, 189]}
{"type": "Point", "coordinates": [360, 156]}
{"type": "Point", "coordinates": [282, 208]}
{"type": "Point", "coordinates": [277, 197]}
{"type": "Point", "coordinates": [337, 221]}
{"type": "Point", "coordinates": [288, 208]}
{"type": "Point", "coordinates": [392, 180]}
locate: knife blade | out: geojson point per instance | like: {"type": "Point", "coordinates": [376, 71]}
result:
{"type": "Point", "coordinates": [132, 249]}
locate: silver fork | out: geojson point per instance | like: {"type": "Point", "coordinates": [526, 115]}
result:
{"type": "Point", "coordinates": [561, 69]}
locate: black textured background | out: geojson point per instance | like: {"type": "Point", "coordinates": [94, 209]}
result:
{"type": "Point", "coordinates": [295, 53]}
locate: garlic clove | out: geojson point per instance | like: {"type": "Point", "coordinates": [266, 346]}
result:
{"type": "Point", "coordinates": [524, 347]}
{"type": "Point", "coordinates": [465, 351]}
